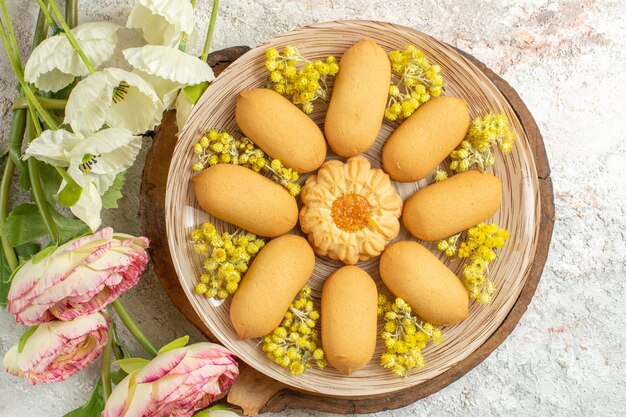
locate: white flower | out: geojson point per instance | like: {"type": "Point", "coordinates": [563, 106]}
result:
{"type": "Point", "coordinates": [88, 206]}
{"type": "Point", "coordinates": [54, 64]}
{"type": "Point", "coordinates": [100, 157]}
{"type": "Point", "coordinates": [96, 159]}
{"type": "Point", "coordinates": [53, 147]}
{"type": "Point", "coordinates": [168, 69]}
{"type": "Point", "coordinates": [162, 21]}
{"type": "Point", "coordinates": [116, 98]}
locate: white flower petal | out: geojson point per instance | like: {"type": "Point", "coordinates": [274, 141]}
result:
{"type": "Point", "coordinates": [183, 110]}
{"type": "Point", "coordinates": [162, 21]}
{"type": "Point", "coordinates": [113, 150]}
{"type": "Point", "coordinates": [91, 103]}
{"type": "Point", "coordinates": [88, 206]}
{"type": "Point", "coordinates": [87, 106]}
{"type": "Point", "coordinates": [167, 90]}
{"type": "Point", "coordinates": [140, 110]}
{"type": "Point", "coordinates": [53, 147]}
{"type": "Point", "coordinates": [54, 63]}
{"type": "Point", "coordinates": [170, 64]}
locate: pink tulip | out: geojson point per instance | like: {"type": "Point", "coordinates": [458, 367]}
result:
{"type": "Point", "coordinates": [58, 349]}
{"type": "Point", "coordinates": [81, 277]}
{"type": "Point", "coordinates": [175, 383]}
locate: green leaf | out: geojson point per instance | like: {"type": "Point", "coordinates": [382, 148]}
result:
{"type": "Point", "coordinates": [5, 279]}
{"type": "Point", "coordinates": [41, 255]}
{"type": "Point", "coordinates": [174, 344]}
{"type": "Point", "coordinates": [25, 337]}
{"type": "Point", "coordinates": [70, 194]}
{"type": "Point", "coordinates": [50, 181]}
{"type": "Point", "coordinates": [118, 376]}
{"type": "Point", "coordinates": [94, 406]}
{"type": "Point", "coordinates": [25, 224]}
{"type": "Point", "coordinates": [69, 227]}
{"type": "Point", "coordinates": [131, 364]}
{"type": "Point", "coordinates": [194, 92]}
{"type": "Point", "coordinates": [114, 192]}
{"type": "Point", "coordinates": [27, 251]}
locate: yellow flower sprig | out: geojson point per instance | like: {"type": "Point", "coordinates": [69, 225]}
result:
{"type": "Point", "coordinates": [404, 335]}
{"type": "Point", "coordinates": [220, 147]}
{"type": "Point", "coordinates": [480, 249]}
{"type": "Point", "coordinates": [294, 344]}
{"type": "Point", "coordinates": [417, 81]}
{"type": "Point", "coordinates": [484, 133]}
{"type": "Point", "coordinates": [303, 85]}
{"type": "Point", "coordinates": [226, 258]}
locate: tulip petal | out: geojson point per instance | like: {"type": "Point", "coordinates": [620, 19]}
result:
{"type": "Point", "coordinates": [116, 403]}
{"type": "Point", "coordinates": [65, 285]}
{"type": "Point", "coordinates": [57, 350]}
{"type": "Point", "coordinates": [9, 363]}
{"type": "Point", "coordinates": [157, 369]}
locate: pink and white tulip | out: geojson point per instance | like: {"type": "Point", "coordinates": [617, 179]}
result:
{"type": "Point", "coordinates": [81, 277]}
{"type": "Point", "coordinates": [175, 383]}
{"type": "Point", "coordinates": [58, 349]}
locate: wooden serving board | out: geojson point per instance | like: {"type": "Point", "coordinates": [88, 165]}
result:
{"type": "Point", "coordinates": [257, 393]}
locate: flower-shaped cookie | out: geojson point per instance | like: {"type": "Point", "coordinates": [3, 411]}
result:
{"type": "Point", "coordinates": [350, 210]}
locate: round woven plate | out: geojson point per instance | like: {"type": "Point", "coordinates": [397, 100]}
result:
{"type": "Point", "coordinates": [519, 212]}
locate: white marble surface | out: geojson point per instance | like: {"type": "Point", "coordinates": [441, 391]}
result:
{"type": "Point", "coordinates": [566, 59]}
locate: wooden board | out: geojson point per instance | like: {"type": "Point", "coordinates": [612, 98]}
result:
{"type": "Point", "coordinates": [255, 392]}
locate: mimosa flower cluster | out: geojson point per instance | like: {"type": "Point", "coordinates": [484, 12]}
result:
{"type": "Point", "coordinates": [302, 85]}
{"type": "Point", "coordinates": [480, 249]}
{"type": "Point", "coordinates": [220, 147]}
{"type": "Point", "coordinates": [417, 82]}
{"type": "Point", "coordinates": [484, 132]}
{"type": "Point", "coordinates": [227, 257]}
{"type": "Point", "coordinates": [404, 335]}
{"type": "Point", "coordinates": [294, 344]}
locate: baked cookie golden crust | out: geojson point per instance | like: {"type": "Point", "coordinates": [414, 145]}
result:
{"type": "Point", "coordinates": [350, 211]}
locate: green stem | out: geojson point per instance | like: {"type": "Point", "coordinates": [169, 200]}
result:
{"type": "Point", "coordinates": [71, 12]}
{"type": "Point", "coordinates": [46, 103]}
{"type": "Point", "coordinates": [7, 18]}
{"type": "Point", "coordinates": [5, 189]}
{"type": "Point", "coordinates": [133, 328]}
{"type": "Point", "coordinates": [17, 69]}
{"type": "Point", "coordinates": [182, 44]}
{"type": "Point", "coordinates": [209, 34]}
{"type": "Point", "coordinates": [37, 190]}
{"type": "Point", "coordinates": [68, 33]}
{"type": "Point", "coordinates": [43, 8]}
{"type": "Point", "coordinates": [16, 137]}
{"type": "Point", "coordinates": [105, 368]}
{"type": "Point", "coordinates": [64, 174]}
{"type": "Point", "coordinates": [118, 352]}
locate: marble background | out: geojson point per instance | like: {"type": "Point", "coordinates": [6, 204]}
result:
{"type": "Point", "coordinates": [566, 59]}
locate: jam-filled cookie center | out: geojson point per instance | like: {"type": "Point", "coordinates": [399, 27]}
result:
{"type": "Point", "coordinates": [351, 212]}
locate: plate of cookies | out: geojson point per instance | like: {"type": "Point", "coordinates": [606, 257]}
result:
{"type": "Point", "coordinates": [352, 208]}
